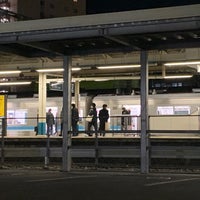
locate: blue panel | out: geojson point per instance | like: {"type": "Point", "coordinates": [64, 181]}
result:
{"type": "Point", "coordinates": [20, 128]}
{"type": "Point", "coordinates": [41, 128]}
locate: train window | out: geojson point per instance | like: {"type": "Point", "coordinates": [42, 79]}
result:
{"type": "Point", "coordinates": [17, 117]}
{"type": "Point", "coordinates": [165, 110]}
{"type": "Point", "coordinates": [135, 110]}
{"type": "Point", "coordinates": [173, 110]}
{"type": "Point", "coordinates": [182, 110]}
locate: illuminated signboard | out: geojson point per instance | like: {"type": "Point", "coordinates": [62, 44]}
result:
{"type": "Point", "coordinates": [2, 106]}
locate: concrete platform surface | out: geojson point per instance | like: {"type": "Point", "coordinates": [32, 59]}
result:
{"type": "Point", "coordinates": [20, 184]}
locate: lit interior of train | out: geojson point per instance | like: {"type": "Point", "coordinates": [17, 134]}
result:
{"type": "Point", "coordinates": [166, 112]}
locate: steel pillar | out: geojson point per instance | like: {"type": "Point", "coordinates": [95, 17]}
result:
{"type": "Point", "coordinates": [144, 113]}
{"type": "Point", "coordinates": [42, 104]}
{"type": "Point", "coordinates": [66, 151]}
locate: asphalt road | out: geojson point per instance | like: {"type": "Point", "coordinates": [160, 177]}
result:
{"type": "Point", "coordinates": [55, 185]}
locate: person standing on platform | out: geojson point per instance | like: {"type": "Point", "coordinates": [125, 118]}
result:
{"type": "Point", "coordinates": [61, 123]}
{"type": "Point", "coordinates": [75, 119]}
{"type": "Point", "coordinates": [103, 118]}
{"type": "Point", "coordinates": [93, 122]}
{"type": "Point", "coordinates": [50, 122]}
{"type": "Point", "coordinates": [124, 121]}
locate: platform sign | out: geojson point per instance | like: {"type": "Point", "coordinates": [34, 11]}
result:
{"type": "Point", "coordinates": [2, 105]}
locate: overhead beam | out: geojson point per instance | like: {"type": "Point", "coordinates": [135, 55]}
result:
{"type": "Point", "coordinates": [85, 32]}
{"type": "Point", "coordinates": [120, 41]}
{"type": "Point", "coordinates": [42, 47]}
{"type": "Point", "coordinates": [181, 18]}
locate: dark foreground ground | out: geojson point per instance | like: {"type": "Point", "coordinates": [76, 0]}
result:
{"type": "Point", "coordinates": [39, 184]}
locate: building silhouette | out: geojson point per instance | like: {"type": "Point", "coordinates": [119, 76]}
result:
{"type": "Point", "coordinates": [15, 10]}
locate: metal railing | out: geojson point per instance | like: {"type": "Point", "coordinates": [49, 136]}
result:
{"type": "Point", "coordinates": [158, 124]}
{"type": "Point", "coordinates": [178, 125]}
{"type": "Point", "coordinates": [28, 126]}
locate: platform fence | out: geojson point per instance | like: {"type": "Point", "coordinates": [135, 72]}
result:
{"type": "Point", "coordinates": [20, 139]}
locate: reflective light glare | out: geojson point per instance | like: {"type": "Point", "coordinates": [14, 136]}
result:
{"type": "Point", "coordinates": [101, 79]}
{"type": "Point", "coordinates": [15, 83]}
{"type": "Point", "coordinates": [10, 72]}
{"type": "Point", "coordinates": [183, 76]}
{"type": "Point", "coordinates": [57, 69]}
{"type": "Point", "coordinates": [3, 91]}
{"type": "Point", "coordinates": [182, 63]}
{"type": "Point", "coordinates": [55, 84]}
{"type": "Point", "coordinates": [118, 66]}
{"type": "Point", "coordinates": [76, 69]}
{"type": "Point", "coordinates": [60, 80]}
{"type": "Point", "coordinates": [50, 70]}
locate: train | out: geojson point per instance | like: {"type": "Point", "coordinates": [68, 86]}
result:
{"type": "Point", "coordinates": [166, 112]}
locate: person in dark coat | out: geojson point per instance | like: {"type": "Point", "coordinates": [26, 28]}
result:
{"type": "Point", "coordinates": [103, 118]}
{"type": "Point", "coordinates": [50, 122]}
{"type": "Point", "coordinates": [124, 121]}
{"type": "Point", "coordinates": [93, 114]}
{"type": "Point", "coordinates": [75, 119]}
{"type": "Point", "coordinates": [61, 123]}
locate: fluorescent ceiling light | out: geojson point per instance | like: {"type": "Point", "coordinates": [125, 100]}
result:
{"type": "Point", "coordinates": [182, 63]}
{"type": "Point", "coordinates": [101, 79]}
{"type": "Point", "coordinates": [15, 83]}
{"type": "Point", "coordinates": [117, 66]}
{"type": "Point", "coordinates": [57, 69]}
{"type": "Point", "coordinates": [76, 69]}
{"type": "Point", "coordinates": [181, 76]}
{"type": "Point", "coordinates": [50, 80]}
{"type": "Point", "coordinates": [50, 70]}
{"type": "Point", "coordinates": [10, 72]}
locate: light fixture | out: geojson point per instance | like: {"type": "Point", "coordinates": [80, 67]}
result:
{"type": "Point", "coordinates": [15, 83]}
{"type": "Point", "coordinates": [50, 70]}
{"type": "Point", "coordinates": [101, 79]}
{"type": "Point", "coordinates": [50, 80]}
{"type": "Point", "coordinates": [118, 66]}
{"type": "Point", "coordinates": [182, 63]}
{"type": "Point", "coordinates": [76, 69]}
{"type": "Point", "coordinates": [56, 70]}
{"type": "Point", "coordinates": [181, 76]}
{"type": "Point", "coordinates": [10, 72]}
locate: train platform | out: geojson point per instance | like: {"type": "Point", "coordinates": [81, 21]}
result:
{"type": "Point", "coordinates": [112, 136]}
{"type": "Point", "coordinates": [38, 184]}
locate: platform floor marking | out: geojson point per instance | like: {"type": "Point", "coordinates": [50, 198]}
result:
{"type": "Point", "coordinates": [172, 181]}
{"type": "Point", "coordinates": [61, 178]}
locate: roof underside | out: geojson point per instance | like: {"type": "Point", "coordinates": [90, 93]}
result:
{"type": "Point", "coordinates": [132, 31]}
{"type": "Point", "coordinates": [114, 32]}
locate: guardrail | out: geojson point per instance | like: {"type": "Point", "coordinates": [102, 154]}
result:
{"type": "Point", "coordinates": [181, 149]}
{"type": "Point", "coordinates": [28, 126]}
{"type": "Point", "coordinates": [129, 149]}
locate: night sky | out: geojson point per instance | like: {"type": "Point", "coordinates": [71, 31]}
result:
{"type": "Point", "coordinates": [103, 6]}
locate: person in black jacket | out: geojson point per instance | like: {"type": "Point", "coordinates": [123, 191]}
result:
{"type": "Point", "coordinates": [50, 122]}
{"type": "Point", "coordinates": [61, 123]}
{"type": "Point", "coordinates": [75, 119]}
{"type": "Point", "coordinates": [125, 119]}
{"type": "Point", "coordinates": [103, 118]}
{"type": "Point", "coordinates": [93, 114]}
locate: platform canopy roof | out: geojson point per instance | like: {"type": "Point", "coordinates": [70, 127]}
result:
{"type": "Point", "coordinates": [163, 28]}
{"type": "Point", "coordinates": [121, 32]}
